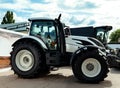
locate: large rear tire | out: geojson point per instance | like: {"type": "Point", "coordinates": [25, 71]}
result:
{"type": "Point", "coordinates": [28, 60]}
{"type": "Point", "coordinates": [90, 67]}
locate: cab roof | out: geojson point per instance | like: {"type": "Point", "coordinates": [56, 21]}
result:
{"type": "Point", "coordinates": [43, 19]}
{"type": "Point", "coordinates": [107, 28]}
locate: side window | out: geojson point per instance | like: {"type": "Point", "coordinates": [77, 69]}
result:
{"type": "Point", "coordinates": [36, 29]}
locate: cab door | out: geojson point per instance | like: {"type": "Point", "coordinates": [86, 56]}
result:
{"type": "Point", "coordinates": [56, 43]}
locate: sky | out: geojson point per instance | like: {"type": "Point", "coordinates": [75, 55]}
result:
{"type": "Point", "coordinates": [75, 13]}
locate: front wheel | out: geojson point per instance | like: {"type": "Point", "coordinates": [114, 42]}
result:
{"type": "Point", "coordinates": [90, 67]}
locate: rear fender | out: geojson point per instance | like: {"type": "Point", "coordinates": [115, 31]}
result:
{"type": "Point", "coordinates": [82, 50]}
{"type": "Point", "coordinates": [33, 39]}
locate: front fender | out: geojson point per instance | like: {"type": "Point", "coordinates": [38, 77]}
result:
{"type": "Point", "coordinates": [33, 39]}
{"type": "Point", "coordinates": [85, 48]}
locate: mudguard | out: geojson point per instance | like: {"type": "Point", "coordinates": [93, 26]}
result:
{"type": "Point", "coordinates": [34, 39]}
{"type": "Point", "coordinates": [85, 48]}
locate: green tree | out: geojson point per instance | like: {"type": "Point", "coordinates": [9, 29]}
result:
{"type": "Point", "coordinates": [115, 36]}
{"type": "Point", "coordinates": [8, 18]}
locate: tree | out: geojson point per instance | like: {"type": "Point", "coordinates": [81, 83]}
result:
{"type": "Point", "coordinates": [115, 36]}
{"type": "Point", "coordinates": [8, 18]}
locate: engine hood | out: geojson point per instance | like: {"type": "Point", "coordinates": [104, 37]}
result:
{"type": "Point", "coordinates": [80, 40]}
{"type": "Point", "coordinates": [75, 42]}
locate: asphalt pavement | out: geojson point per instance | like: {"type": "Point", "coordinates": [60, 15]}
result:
{"type": "Point", "coordinates": [63, 78]}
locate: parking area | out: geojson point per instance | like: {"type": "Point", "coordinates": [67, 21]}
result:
{"type": "Point", "coordinates": [63, 78]}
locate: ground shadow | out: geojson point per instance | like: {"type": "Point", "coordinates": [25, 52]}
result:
{"type": "Point", "coordinates": [50, 81]}
{"type": "Point", "coordinates": [115, 70]}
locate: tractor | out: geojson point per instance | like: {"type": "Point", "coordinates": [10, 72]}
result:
{"type": "Point", "coordinates": [47, 46]}
{"type": "Point", "coordinates": [101, 33]}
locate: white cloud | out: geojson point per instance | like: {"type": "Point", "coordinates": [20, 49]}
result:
{"type": "Point", "coordinates": [74, 12]}
{"type": "Point", "coordinates": [19, 18]}
{"type": "Point", "coordinates": [1, 16]}
{"type": "Point", "coordinates": [22, 1]}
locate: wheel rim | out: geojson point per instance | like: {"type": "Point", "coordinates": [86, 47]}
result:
{"type": "Point", "coordinates": [91, 67]}
{"type": "Point", "coordinates": [24, 60]}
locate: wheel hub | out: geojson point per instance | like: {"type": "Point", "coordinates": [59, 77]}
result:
{"type": "Point", "coordinates": [24, 60]}
{"type": "Point", "coordinates": [90, 66]}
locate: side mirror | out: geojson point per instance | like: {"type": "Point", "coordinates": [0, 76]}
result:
{"type": "Point", "coordinates": [27, 28]}
{"type": "Point", "coordinates": [67, 31]}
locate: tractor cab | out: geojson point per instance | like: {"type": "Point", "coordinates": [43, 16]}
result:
{"type": "Point", "coordinates": [50, 32]}
{"type": "Point", "coordinates": [46, 31]}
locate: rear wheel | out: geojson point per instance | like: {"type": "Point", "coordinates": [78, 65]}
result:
{"type": "Point", "coordinates": [28, 61]}
{"type": "Point", "coordinates": [90, 67]}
